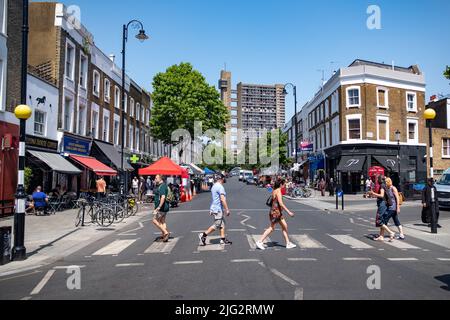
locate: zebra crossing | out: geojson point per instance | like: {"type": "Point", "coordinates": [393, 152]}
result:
{"type": "Point", "coordinates": [304, 242]}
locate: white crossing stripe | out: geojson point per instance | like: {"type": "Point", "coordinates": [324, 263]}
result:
{"type": "Point", "coordinates": [352, 242]}
{"type": "Point", "coordinates": [252, 239]}
{"type": "Point", "coordinates": [306, 242]}
{"type": "Point", "coordinates": [188, 262]}
{"type": "Point", "coordinates": [400, 244]}
{"type": "Point", "coordinates": [443, 259]}
{"type": "Point", "coordinates": [130, 265]}
{"type": "Point", "coordinates": [114, 248]}
{"type": "Point", "coordinates": [301, 259]}
{"type": "Point", "coordinates": [212, 244]}
{"type": "Point", "coordinates": [162, 247]}
{"type": "Point", "coordinates": [357, 259]}
{"type": "Point", "coordinates": [402, 259]}
{"type": "Point", "coordinates": [43, 282]}
{"type": "Point", "coordinates": [245, 260]}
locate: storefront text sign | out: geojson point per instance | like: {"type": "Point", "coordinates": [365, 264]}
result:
{"type": "Point", "coordinates": [42, 143]}
{"type": "Point", "coordinates": [76, 146]}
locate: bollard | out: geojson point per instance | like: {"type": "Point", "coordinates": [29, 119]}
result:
{"type": "Point", "coordinates": [337, 200]}
{"type": "Point", "coordinates": [433, 212]}
{"type": "Point", "coordinates": [343, 201]}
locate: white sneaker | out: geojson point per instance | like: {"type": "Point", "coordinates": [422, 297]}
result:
{"type": "Point", "coordinates": [290, 245]}
{"type": "Point", "coordinates": [260, 245]}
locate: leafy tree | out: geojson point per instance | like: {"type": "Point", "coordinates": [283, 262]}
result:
{"type": "Point", "coordinates": [181, 97]}
{"type": "Point", "coordinates": [28, 172]}
{"type": "Point", "coordinates": [447, 72]}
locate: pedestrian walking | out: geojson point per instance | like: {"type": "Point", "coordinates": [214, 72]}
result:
{"type": "Point", "coordinates": [368, 187]}
{"type": "Point", "coordinates": [395, 207]}
{"type": "Point", "coordinates": [218, 210]}
{"type": "Point", "coordinates": [101, 188]}
{"type": "Point", "coordinates": [276, 216]}
{"type": "Point", "coordinates": [427, 203]}
{"type": "Point", "coordinates": [322, 186]}
{"type": "Point", "coordinates": [332, 187]}
{"type": "Point", "coordinates": [142, 188]}
{"type": "Point", "coordinates": [162, 207]}
{"type": "Point", "coordinates": [135, 186]}
{"type": "Point", "coordinates": [384, 202]}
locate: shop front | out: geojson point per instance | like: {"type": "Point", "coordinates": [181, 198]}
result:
{"type": "Point", "coordinates": [48, 168]}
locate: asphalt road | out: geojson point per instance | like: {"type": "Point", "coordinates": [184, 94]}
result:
{"type": "Point", "coordinates": [335, 260]}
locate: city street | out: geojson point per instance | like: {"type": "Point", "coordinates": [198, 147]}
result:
{"type": "Point", "coordinates": [334, 259]}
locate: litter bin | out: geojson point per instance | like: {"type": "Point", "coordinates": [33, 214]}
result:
{"type": "Point", "coordinates": [5, 245]}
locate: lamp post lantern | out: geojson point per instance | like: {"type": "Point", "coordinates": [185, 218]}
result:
{"type": "Point", "coordinates": [141, 36]}
{"type": "Point", "coordinates": [295, 117]}
{"type": "Point", "coordinates": [429, 116]}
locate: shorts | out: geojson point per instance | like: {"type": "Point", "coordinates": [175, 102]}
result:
{"type": "Point", "coordinates": [159, 215]}
{"type": "Point", "coordinates": [275, 220]}
{"type": "Point", "coordinates": [219, 221]}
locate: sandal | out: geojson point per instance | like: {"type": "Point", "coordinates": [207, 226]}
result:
{"type": "Point", "coordinates": [381, 239]}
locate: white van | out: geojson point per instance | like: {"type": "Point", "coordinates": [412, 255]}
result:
{"type": "Point", "coordinates": [443, 190]}
{"type": "Point", "coordinates": [241, 175]}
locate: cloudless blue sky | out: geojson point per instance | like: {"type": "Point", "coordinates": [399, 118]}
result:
{"type": "Point", "coordinates": [274, 41]}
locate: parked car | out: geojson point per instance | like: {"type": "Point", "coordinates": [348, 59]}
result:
{"type": "Point", "coordinates": [247, 174]}
{"type": "Point", "coordinates": [443, 190]}
{"type": "Point", "coordinates": [251, 181]}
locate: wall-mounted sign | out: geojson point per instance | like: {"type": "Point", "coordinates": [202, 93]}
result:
{"type": "Point", "coordinates": [41, 143]}
{"type": "Point", "coordinates": [77, 146]}
{"type": "Point", "coordinates": [307, 147]}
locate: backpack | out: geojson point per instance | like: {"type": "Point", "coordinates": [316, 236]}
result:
{"type": "Point", "coordinates": [170, 196]}
{"type": "Point", "coordinates": [401, 198]}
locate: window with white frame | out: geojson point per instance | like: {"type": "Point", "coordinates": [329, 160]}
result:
{"type": "Point", "coordinates": [382, 98]}
{"type": "Point", "coordinates": [446, 147]}
{"type": "Point", "coordinates": [117, 97]}
{"type": "Point", "coordinates": [67, 121]}
{"type": "Point", "coordinates": [147, 116]}
{"type": "Point", "coordinates": [324, 116]}
{"type": "Point", "coordinates": [83, 71]}
{"type": "Point", "coordinates": [94, 124]}
{"type": "Point", "coordinates": [105, 128]}
{"type": "Point", "coordinates": [132, 107]}
{"type": "Point", "coordinates": [39, 122]}
{"type": "Point", "coordinates": [116, 132]}
{"type": "Point", "coordinates": [96, 83]}
{"type": "Point", "coordinates": [3, 16]}
{"type": "Point", "coordinates": [126, 103]}
{"type": "Point", "coordinates": [70, 60]}
{"type": "Point", "coordinates": [354, 127]}
{"type": "Point", "coordinates": [353, 97]}
{"type": "Point", "coordinates": [383, 128]}
{"type": "Point", "coordinates": [137, 139]}
{"type": "Point", "coordinates": [327, 109]}
{"type": "Point", "coordinates": [411, 101]}
{"type": "Point", "coordinates": [107, 94]}
{"type": "Point", "coordinates": [138, 111]}
{"type": "Point", "coordinates": [335, 102]}
{"type": "Point", "coordinates": [413, 132]}
{"type": "Point", "coordinates": [335, 131]}
{"type": "Point", "coordinates": [81, 120]}
{"type": "Point", "coordinates": [131, 135]}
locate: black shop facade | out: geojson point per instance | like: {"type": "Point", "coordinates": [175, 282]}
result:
{"type": "Point", "coordinates": [352, 164]}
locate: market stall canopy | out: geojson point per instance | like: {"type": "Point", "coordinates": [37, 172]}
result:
{"type": "Point", "coordinates": [351, 163]}
{"type": "Point", "coordinates": [112, 154]}
{"type": "Point", "coordinates": [271, 171]}
{"type": "Point", "coordinates": [94, 165]}
{"type": "Point", "coordinates": [56, 162]}
{"type": "Point", "coordinates": [208, 171]}
{"type": "Point", "coordinates": [194, 169]}
{"type": "Point", "coordinates": [184, 173]}
{"type": "Point", "coordinates": [163, 166]}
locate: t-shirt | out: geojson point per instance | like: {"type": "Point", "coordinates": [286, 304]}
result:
{"type": "Point", "coordinates": [160, 191]}
{"type": "Point", "coordinates": [135, 183]}
{"type": "Point", "coordinates": [216, 191]}
{"type": "Point", "coordinates": [39, 199]}
{"type": "Point", "coordinates": [101, 185]}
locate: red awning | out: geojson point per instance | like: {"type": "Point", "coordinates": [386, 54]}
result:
{"type": "Point", "coordinates": [163, 166]}
{"type": "Point", "coordinates": [94, 165]}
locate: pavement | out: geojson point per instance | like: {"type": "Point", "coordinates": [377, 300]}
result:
{"type": "Point", "coordinates": [336, 258]}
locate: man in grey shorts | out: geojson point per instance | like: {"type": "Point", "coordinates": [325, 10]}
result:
{"type": "Point", "coordinates": [218, 208]}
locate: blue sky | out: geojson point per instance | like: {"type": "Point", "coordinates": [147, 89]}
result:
{"type": "Point", "coordinates": [274, 41]}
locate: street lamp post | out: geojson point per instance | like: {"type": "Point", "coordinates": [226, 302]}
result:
{"type": "Point", "coordinates": [398, 138]}
{"type": "Point", "coordinates": [141, 36]}
{"type": "Point", "coordinates": [295, 117]}
{"type": "Point", "coordinates": [429, 116]}
{"type": "Point", "coordinates": [23, 113]}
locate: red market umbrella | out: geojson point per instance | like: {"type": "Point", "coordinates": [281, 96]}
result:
{"type": "Point", "coordinates": [163, 166]}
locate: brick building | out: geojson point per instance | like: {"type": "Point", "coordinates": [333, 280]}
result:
{"type": "Point", "coordinates": [441, 135]}
{"type": "Point", "coordinates": [352, 123]}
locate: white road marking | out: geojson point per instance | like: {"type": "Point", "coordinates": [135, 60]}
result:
{"type": "Point", "coordinates": [114, 248]}
{"type": "Point", "coordinates": [243, 222]}
{"type": "Point", "coordinates": [245, 260]}
{"type": "Point", "coordinates": [301, 259]}
{"type": "Point", "coordinates": [402, 259]}
{"type": "Point", "coordinates": [188, 262]}
{"type": "Point", "coordinates": [444, 259]}
{"type": "Point", "coordinates": [352, 242]}
{"type": "Point", "coordinates": [212, 244]}
{"type": "Point", "coordinates": [130, 265]}
{"type": "Point", "coordinates": [401, 245]}
{"type": "Point", "coordinates": [162, 247]}
{"type": "Point", "coordinates": [26, 299]}
{"type": "Point", "coordinates": [284, 277]}
{"type": "Point", "coordinates": [306, 242]}
{"type": "Point", "coordinates": [43, 282]}
{"type": "Point", "coordinates": [357, 259]}
{"type": "Point", "coordinates": [67, 267]}
{"type": "Point", "coordinates": [351, 220]}
{"type": "Point", "coordinates": [298, 294]}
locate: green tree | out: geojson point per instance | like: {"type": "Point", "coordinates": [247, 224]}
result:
{"type": "Point", "coordinates": [28, 172]}
{"type": "Point", "coordinates": [447, 72]}
{"type": "Point", "coordinates": [181, 97]}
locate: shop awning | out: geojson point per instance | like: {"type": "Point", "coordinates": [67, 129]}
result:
{"type": "Point", "coordinates": [112, 154]}
{"type": "Point", "coordinates": [209, 171]}
{"type": "Point", "coordinates": [389, 163]}
{"type": "Point", "coordinates": [193, 169]}
{"type": "Point", "coordinates": [56, 162]}
{"type": "Point", "coordinates": [94, 165]}
{"type": "Point", "coordinates": [164, 166]}
{"type": "Point", "coordinates": [351, 163]}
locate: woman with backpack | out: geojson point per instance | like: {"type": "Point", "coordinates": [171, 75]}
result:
{"type": "Point", "coordinates": [384, 204]}
{"type": "Point", "coordinates": [395, 208]}
{"type": "Point", "coordinates": [276, 215]}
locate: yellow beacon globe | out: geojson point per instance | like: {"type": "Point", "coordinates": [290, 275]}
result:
{"type": "Point", "coordinates": [430, 114]}
{"type": "Point", "coordinates": [23, 112]}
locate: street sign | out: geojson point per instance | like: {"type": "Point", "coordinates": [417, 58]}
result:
{"type": "Point", "coordinates": [134, 159]}
{"type": "Point", "coordinates": [340, 193]}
